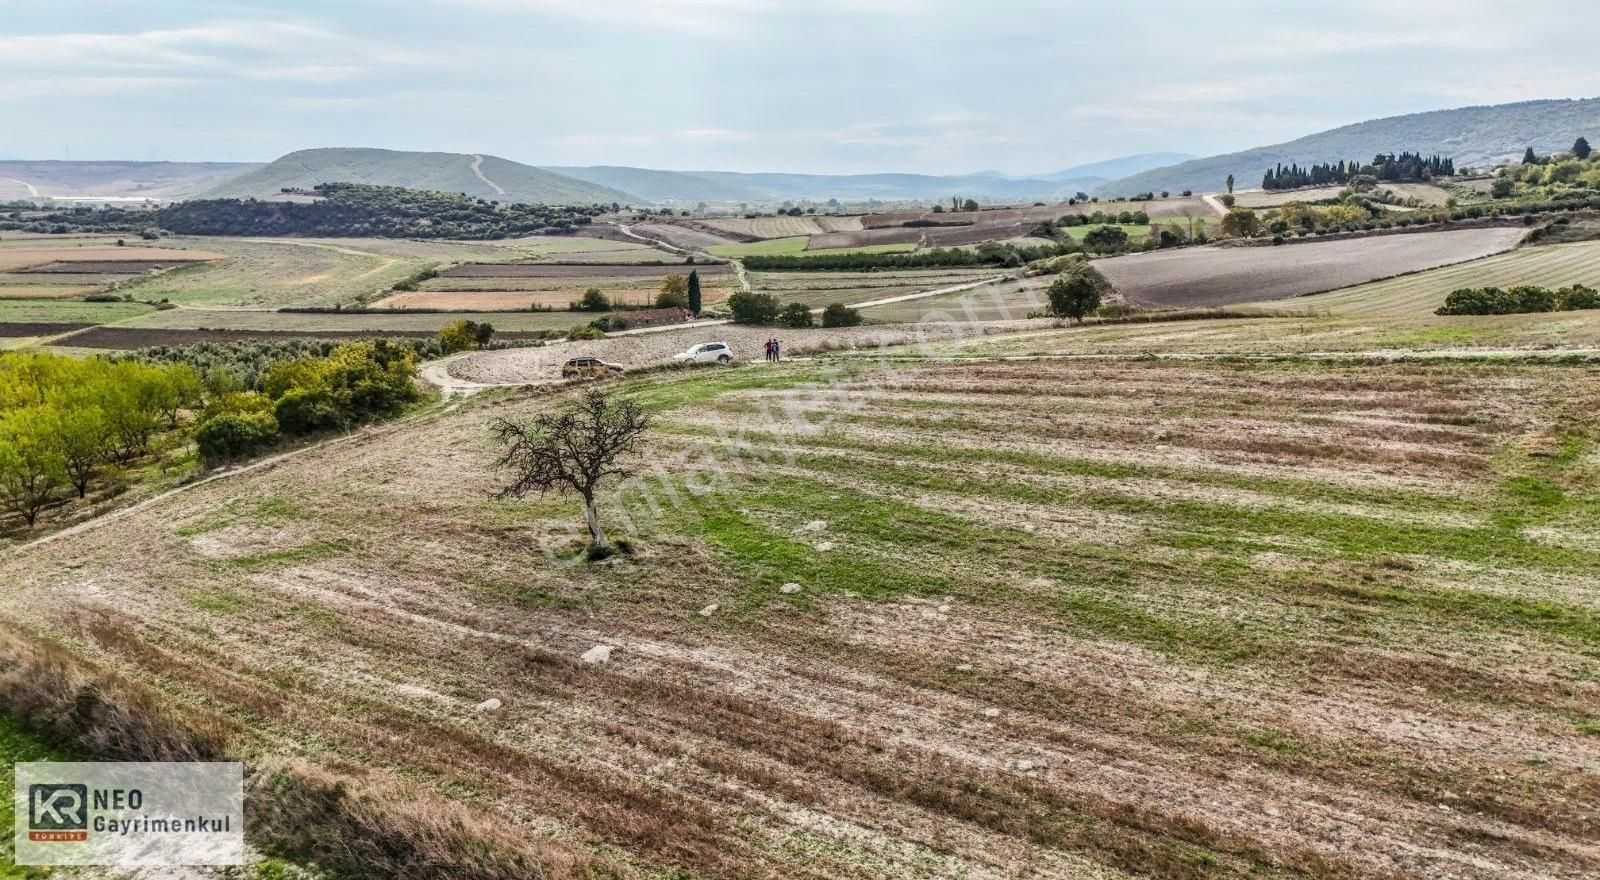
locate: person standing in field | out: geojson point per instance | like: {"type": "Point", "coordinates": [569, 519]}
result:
{"type": "Point", "coordinates": [777, 349]}
{"type": "Point", "coordinates": [768, 348]}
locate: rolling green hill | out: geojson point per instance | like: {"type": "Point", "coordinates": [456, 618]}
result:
{"type": "Point", "coordinates": [1473, 136]}
{"type": "Point", "coordinates": [488, 177]}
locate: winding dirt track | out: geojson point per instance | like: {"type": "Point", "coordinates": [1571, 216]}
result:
{"type": "Point", "coordinates": [477, 169]}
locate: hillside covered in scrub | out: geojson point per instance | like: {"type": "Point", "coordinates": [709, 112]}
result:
{"type": "Point", "coordinates": [338, 209]}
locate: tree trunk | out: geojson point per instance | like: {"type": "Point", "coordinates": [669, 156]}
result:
{"type": "Point", "coordinates": [593, 519]}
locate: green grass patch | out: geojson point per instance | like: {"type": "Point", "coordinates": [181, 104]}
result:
{"type": "Point", "coordinates": [17, 744]}
{"type": "Point", "coordinates": [31, 311]}
{"type": "Point", "coordinates": [301, 555]}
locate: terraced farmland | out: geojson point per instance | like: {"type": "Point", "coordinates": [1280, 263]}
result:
{"type": "Point", "coordinates": [1197, 620]}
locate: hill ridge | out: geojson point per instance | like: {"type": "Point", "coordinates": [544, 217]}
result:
{"type": "Point", "coordinates": [1474, 135]}
{"type": "Point", "coordinates": [481, 175]}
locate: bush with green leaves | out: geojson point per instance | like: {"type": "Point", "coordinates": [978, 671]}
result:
{"type": "Point", "coordinates": [753, 308]}
{"type": "Point", "coordinates": [796, 315]}
{"type": "Point", "coordinates": [840, 315]}
{"type": "Point", "coordinates": [233, 436]}
{"type": "Point", "coordinates": [593, 300]}
{"type": "Point", "coordinates": [1078, 290]}
{"type": "Point", "coordinates": [1518, 300]}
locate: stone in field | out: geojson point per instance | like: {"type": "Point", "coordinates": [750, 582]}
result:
{"type": "Point", "coordinates": [709, 610]}
{"type": "Point", "coordinates": [490, 706]}
{"type": "Point", "coordinates": [597, 655]}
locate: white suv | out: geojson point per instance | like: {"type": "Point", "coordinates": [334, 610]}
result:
{"type": "Point", "coordinates": [706, 353]}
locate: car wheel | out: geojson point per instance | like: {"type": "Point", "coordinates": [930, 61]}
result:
{"type": "Point", "coordinates": [722, 359]}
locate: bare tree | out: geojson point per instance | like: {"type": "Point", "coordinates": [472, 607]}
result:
{"type": "Point", "coordinates": [572, 451]}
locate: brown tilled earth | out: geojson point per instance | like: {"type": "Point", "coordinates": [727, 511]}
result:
{"type": "Point", "coordinates": [1055, 620]}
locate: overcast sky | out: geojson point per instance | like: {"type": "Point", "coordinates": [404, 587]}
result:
{"type": "Point", "coordinates": [747, 85]}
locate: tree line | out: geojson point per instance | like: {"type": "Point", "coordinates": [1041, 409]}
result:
{"type": "Point", "coordinates": [1389, 167]}
{"type": "Point", "coordinates": [70, 426]}
{"type": "Point", "coordinates": [1518, 300]}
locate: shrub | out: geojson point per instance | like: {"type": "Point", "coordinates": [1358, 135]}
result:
{"type": "Point", "coordinates": [795, 315]}
{"type": "Point", "coordinates": [1106, 239]}
{"type": "Point", "coordinates": [753, 308]}
{"type": "Point", "coordinates": [305, 411]}
{"type": "Point", "coordinates": [585, 332]}
{"type": "Point", "coordinates": [232, 436]}
{"type": "Point", "coordinates": [1077, 291]}
{"type": "Point", "coordinates": [840, 315]}
{"type": "Point", "coordinates": [1578, 297]}
{"type": "Point", "coordinates": [593, 301]}
{"type": "Point", "coordinates": [674, 293]}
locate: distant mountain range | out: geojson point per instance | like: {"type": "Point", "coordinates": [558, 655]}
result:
{"type": "Point", "coordinates": [123, 180]}
{"type": "Point", "coordinates": [733, 186]}
{"type": "Point", "coordinates": [1473, 136]}
{"type": "Point", "coordinates": [482, 176]}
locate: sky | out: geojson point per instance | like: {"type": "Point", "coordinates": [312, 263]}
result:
{"type": "Point", "coordinates": [825, 86]}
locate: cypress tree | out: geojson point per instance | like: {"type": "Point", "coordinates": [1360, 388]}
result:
{"type": "Point", "coordinates": [1580, 148]}
{"type": "Point", "coordinates": [694, 292]}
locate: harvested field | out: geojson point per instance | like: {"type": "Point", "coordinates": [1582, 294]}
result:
{"type": "Point", "coordinates": [276, 272]}
{"type": "Point", "coordinates": [867, 238]}
{"type": "Point", "coordinates": [567, 270]}
{"type": "Point", "coordinates": [784, 227]}
{"type": "Point", "coordinates": [491, 300]}
{"type": "Point", "coordinates": [1547, 265]}
{"type": "Point", "coordinates": [818, 289]}
{"type": "Point", "coordinates": [1055, 619]}
{"type": "Point", "coordinates": [369, 323]}
{"type": "Point", "coordinates": [1261, 198]}
{"type": "Point", "coordinates": [94, 253]}
{"type": "Point", "coordinates": [794, 247]}
{"type": "Point", "coordinates": [1213, 276]}
{"type": "Point", "coordinates": [35, 311]}
{"type": "Point", "coordinates": [681, 236]}
{"type": "Point", "coordinates": [102, 267]}
{"type": "Point", "coordinates": [19, 328]}
{"type": "Point", "coordinates": [49, 291]}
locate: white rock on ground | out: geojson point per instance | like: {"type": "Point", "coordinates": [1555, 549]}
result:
{"type": "Point", "coordinates": [944, 609]}
{"type": "Point", "coordinates": [824, 546]}
{"type": "Point", "coordinates": [598, 654]}
{"type": "Point", "coordinates": [789, 588]}
{"type": "Point", "coordinates": [991, 713]}
{"type": "Point", "coordinates": [816, 525]}
{"type": "Point", "coordinates": [1024, 766]}
{"type": "Point", "coordinates": [490, 706]}
{"type": "Point", "coordinates": [964, 667]}
{"type": "Point", "coordinates": [709, 610]}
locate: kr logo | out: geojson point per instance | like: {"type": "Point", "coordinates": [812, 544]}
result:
{"type": "Point", "coordinates": [58, 812]}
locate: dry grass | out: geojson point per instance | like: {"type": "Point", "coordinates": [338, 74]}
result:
{"type": "Point", "coordinates": [1075, 619]}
